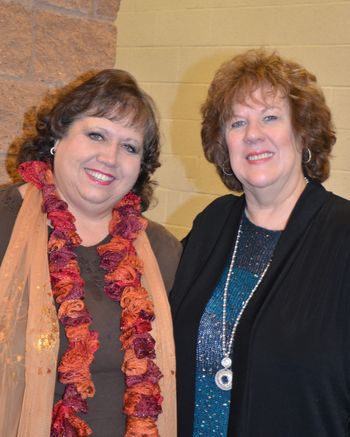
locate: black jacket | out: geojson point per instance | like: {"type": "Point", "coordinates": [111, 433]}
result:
{"type": "Point", "coordinates": [292, 345]}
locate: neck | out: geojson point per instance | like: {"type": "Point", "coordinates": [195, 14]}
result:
{"type": "Point", "coordinates": [91, 222]}
{"type": "Point", "coordinates": [92, 228]}
{"type": "Point", "coordinates": [271, 210]}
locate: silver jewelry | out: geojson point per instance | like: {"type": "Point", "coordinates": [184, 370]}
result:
{"type": "Point", "coordinates": [224, 376]}
{"type": "Point", "coordinates": [308, 156]}
{"type": "Point", "coordinates": [54, 147]}
{"type": "Point", "coordinates": [225, 172]}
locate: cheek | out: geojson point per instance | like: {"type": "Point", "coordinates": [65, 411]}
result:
{"type": "Point", "coordinates": [293, 146]}
{"type": "Point", "coordinates": [133, 169]}
{"type": "Point", "coordinates": [233, 139]}
{"type": "Point", "coordinates": [232, 148]}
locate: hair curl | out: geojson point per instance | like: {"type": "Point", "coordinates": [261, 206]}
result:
{"type": "Point", "coordinates": [113, 94]}
{"type": "Point", "coordinates": [237, 79]}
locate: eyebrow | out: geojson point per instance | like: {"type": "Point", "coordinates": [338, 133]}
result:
{"type": "Point", "coordinates": [264, 109]}
{"type": "Point", "coordinates": [108, 131]}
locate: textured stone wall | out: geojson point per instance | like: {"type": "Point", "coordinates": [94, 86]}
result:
{"type": "Point", "coordinates": [43, 45]}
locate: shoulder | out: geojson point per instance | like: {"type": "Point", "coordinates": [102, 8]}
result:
{"type": "Point", "coordinates": [167, 250]}
{"type": "Point", "coordinates": [221, 205]}
{"type": "Point", "coordinates": [338, 213]}
{"type": "Point", "coordinates": [160, 237]}
{"type": "Point", "coordinates": [329, 212]}
{"type": "Point", "coordinates": [341, 206]}
{"type": "Point", "coordinates": [331, 220]}
{"type": "Point", "coordinates": [10, 204]}
{"type": "Point", "coordinates": [10, 192]}
{"type": "Point", "coordinates": [216, 212]}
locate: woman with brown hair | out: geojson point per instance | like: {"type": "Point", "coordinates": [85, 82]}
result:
{"type": "Point", "coordinates": [261, 298]}
{"type": "Point", "coordinates": [86, 341]}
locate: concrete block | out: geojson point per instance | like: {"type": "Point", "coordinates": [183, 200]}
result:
{"type": "Point", "coordinates": [182, 137]}
{"type": "Point", "coordinates": [339, 183]}
{"type": "Point", "coordinates": [81, 44]}
{"type": "Point", "coordinates": [176, 28]}
{"type": "Point", "coordinates": [329, 96]}
{"type": "Point", "coordinates": [164, 95]}
{"type": "Point", "coordinates": [179, 232]}
{"type": "Point", "coordinates": [276, 25]}
{"type": "Point", "coordinates": [252, 3]}
{"type": "Point", "coordinates": [189, 99]}
{"type": "Point", "coordinates": [177, 173]}
{"type": "Point", "coordinates": [341, 107]}
{"type": "Point", "coordinates": [199, 64]}
{"type": "Point", "coordinates": [185, 206]}
{"type": "Point", "coordinates": [150, 64]}
{"type": "Point", "coordinates": [82, 6]}
{"type": "Point", "coordinates": [136, 29]}
{"type": "Point", "coordinates": [207, 180]}
{"type": "Point", "coordinates": [180, 101]}
{"type": "Point", "coordinates": [158, 208]}
{"type": "Point", "coordinates": [127, 6]}
{"type": "Point", "coordinates": [330, 64]}
{"type": "Point", "coordinates": [15, 40]}
{"type": "Point", "coordinates": [341, 152]}
{"type": "Point", "coordinates": [107, 8]}
{"type": "Point", "coordinates": [161, 5]}
{"type": "Point", "coordinates": [16, 98]}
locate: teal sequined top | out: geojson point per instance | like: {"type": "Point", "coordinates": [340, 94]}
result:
{"type": "Point", "coordinates": [212, 404]}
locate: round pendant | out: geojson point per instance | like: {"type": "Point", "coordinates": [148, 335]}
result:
{"type": "Point", "coordinates": [223, 379]}
{"type": "Point", "coordinates": [226, 362]}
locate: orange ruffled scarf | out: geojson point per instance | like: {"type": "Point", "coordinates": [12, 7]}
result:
{"type": "Point", "coordinates": [141, 383]}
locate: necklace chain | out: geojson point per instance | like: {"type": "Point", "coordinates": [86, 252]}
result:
{"type": "Point", "coordinates": [223, 377]}
{"type": "Point", "coordinates": [227, 350]}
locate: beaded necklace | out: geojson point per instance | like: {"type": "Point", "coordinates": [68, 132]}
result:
{"type": "Point", "coordinates": [142, 398]}
{"type": "Point", "coordinates": [223, 377]}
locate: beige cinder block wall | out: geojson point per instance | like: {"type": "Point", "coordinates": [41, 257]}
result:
{"type": "Point", "coordinates": [44, 45]}
{"type": "Point", "coordinates": [173, 49]}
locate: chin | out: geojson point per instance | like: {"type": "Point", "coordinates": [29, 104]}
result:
{"type": "Point", "coordinates": [260, 182]}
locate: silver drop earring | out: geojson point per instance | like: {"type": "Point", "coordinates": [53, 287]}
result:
{"type": "Point", "coordinates": [53, 148]}
{"type": "Point", "coordinates": [225, 172]}
{"type": "Point", "coordinates": [308, 156]}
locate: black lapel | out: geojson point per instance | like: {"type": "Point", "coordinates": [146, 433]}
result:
{"type": "Point", "coordinates": [206, 247]}
{"type": "Point", "coordinates": [307, 208]}
{"type": "Point", "coordinates": [204, 257]}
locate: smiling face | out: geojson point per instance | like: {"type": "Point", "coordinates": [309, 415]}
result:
{"type": "Point", "coordinates": [96, 163]}
{"type": "Point", "coordinates": [263, 149]}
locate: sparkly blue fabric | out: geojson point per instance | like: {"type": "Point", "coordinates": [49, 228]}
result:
{"type": "Point", "coordinates": [212, 404]}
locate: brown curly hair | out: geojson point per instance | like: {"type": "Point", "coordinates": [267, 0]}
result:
{"type": "Point", "coordinates": [237, 79]}
{"type": "Point", "coordinates": [113, 94]}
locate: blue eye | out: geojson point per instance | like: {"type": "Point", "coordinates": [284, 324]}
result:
{"type": "Point", "coordinates": [270, 118]}
{"type": "Point", "coordinates": [130, 148]}
{"type": "Point", "coordinates": [237, 124]}
{"type": "Point", "coordinates": [96, 136]}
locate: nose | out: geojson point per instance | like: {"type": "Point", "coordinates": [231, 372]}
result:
{"type": "Point", "coordinates": [109, 155]}
{"type": "Point", "coordinates": [253, 133]}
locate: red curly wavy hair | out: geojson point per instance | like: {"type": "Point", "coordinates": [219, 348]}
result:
{"type": "Point", "coordinates": [237, 79]}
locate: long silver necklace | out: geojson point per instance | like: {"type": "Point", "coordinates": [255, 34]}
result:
{"type": "Point", "coordinates": [223, 377]}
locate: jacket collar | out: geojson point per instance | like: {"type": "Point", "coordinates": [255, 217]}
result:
{"type": "Point", "coordinates": [209, 243]}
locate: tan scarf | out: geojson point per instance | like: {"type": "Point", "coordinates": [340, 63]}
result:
{"type": "Point", "coordinates": [29, 334]}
